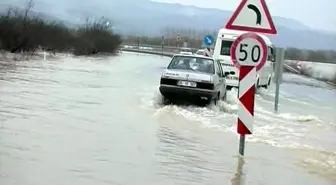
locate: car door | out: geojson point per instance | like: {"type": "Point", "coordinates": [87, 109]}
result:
{"type": "Point", "coordinates": [216, 77]}
{"type": "Point", "coordinates": [221, 81]}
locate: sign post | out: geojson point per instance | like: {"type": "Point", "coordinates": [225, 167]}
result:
{"type": "Point", "coordinates": [249, 54]}
{"type": "Point", "coordinates": [279, 63]}
{"type": "Point", "coordinates": [208, 41]}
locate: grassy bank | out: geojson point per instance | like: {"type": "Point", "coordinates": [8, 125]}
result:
{"type": "Point", "coordinates": [25, 31]}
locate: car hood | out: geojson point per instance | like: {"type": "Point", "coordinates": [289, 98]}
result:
{"type": "Point", "coordinates": [187, 75]}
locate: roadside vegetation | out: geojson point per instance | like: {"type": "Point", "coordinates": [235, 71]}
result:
{"type": "Point", "coordinates": [25, 31]}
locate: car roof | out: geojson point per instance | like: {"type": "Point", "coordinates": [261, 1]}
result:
{"type": "Point", "coordinates": [196, 56]}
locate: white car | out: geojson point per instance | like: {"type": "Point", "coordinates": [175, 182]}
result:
{"type": "Point", "coordinates": [224, 41]}
{"type": "Point", "coordinates": [200, 52]}
{"type": "Point", "coordinates": [193, 78]}
{"type": "Point", "coordinates": [186, 51]}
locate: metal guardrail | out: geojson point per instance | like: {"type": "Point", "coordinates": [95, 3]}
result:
{"type": "Point", "coordinates": [156, 47]}
{"type": "Point", "coordinates": [170, 51]}
{"type": "Point", "coordinates": [154, 52]}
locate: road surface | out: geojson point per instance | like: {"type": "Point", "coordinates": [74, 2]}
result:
{"type": "Point", "coordinates": [85, 121]}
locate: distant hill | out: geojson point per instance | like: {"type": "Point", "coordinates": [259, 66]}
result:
{"type": "Point", "coordinates": [144, 17]}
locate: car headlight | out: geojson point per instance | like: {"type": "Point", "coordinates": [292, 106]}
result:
{"type": "Point", "coordinates": [163, 75]}
{"type": "Point", "coordinates": [211, 79]}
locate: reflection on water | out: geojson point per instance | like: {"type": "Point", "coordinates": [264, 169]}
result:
{"type": "Point", "coordinates": [180, 161]}
{"type": "Point", "coordinates": [238, 178]}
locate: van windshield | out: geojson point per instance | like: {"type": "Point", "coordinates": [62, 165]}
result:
{"type": "Point", "coordinates": [225, 47]}
{"type": "Point", "coordinates": [192, 63]}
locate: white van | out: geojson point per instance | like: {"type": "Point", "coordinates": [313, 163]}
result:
{"type": "Point", "coordinates": [222, 52]}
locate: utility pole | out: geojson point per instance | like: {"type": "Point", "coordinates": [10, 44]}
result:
{"type": "Point", "coordinates": [162, 44]}
{"type": "Point", "coordinates": [178, 40]}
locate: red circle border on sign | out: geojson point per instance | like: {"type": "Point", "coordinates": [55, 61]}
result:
{"type": "Point", "coordinates": [249, 36]}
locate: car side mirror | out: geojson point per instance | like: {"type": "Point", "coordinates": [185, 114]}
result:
{"type": "Point", "coordinates": [273, 58]}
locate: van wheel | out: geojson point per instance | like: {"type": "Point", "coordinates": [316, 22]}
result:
{"type": "Point", "coordinates": [268, 83]}
{"type": "Point", "coordinates": [257, 84]}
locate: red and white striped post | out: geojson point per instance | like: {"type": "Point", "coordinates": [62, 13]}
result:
{"type": "Point", "coordinates": [246, 93]}
{"type": "Point", "coordinates": [248, 54]}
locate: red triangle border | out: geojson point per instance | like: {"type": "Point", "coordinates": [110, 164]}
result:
{"type": "Point", "coordinates": [251, 29]}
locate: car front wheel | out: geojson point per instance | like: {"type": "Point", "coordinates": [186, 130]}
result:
{"type": "Point", "coordinates": [215, 100]}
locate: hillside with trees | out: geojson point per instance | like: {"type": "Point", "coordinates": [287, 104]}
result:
{"type": "Point", "coordinates": [25, 31]}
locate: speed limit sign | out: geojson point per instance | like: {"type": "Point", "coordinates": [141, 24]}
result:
{"type": "Point", "coordinates": [249, 49]}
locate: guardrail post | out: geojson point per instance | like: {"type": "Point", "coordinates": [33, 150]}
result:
{"type": "Point", "coordinates": [138, 43]}
{"type": "Point", "coordinates": [162, 44]}
{"type": "Point", "coordinates": [279, 64]}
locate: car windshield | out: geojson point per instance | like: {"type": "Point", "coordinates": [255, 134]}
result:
{"type": "Point", "coordinates": [192, 63]}
{"type": "Point", "coordinates": [225, 47]}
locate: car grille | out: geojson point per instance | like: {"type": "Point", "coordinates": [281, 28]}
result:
{"type": "Point", "coordinates": [200, 85]}
{"type": "Point", "coordinates": [167, 81]}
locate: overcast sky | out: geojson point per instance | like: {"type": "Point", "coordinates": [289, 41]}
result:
{"type": "Point", "coordinates": [319, 14]}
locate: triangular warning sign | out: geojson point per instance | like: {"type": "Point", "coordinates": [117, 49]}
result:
{"type": "Point", "coordinates": [252, 16]}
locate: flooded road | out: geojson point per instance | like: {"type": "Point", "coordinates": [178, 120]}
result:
{"type": "Point", "coordinates": [92, 121]}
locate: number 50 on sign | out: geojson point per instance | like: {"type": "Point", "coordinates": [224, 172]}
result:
{"type": "Point", "coordinates": [249, 49]}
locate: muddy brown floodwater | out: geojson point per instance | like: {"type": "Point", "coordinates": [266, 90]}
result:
{"type": "Point", "coordinates": [85, 121]}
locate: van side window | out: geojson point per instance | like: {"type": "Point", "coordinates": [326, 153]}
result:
{"type": "Point", "coordinates": [225, 47]}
